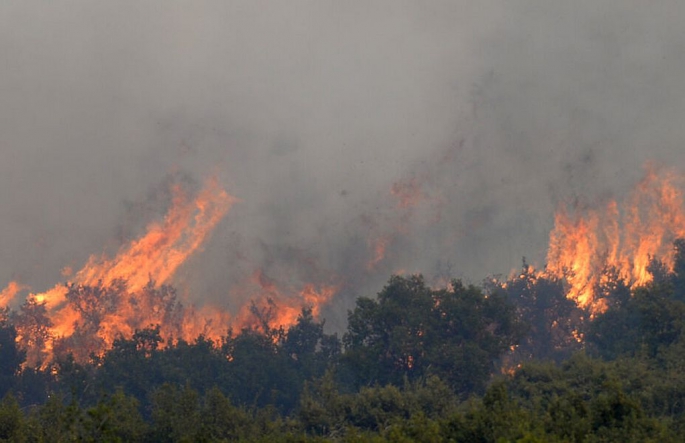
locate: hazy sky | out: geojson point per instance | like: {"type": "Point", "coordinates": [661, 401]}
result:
{"type": "Point", "coordinates": [310, 112]}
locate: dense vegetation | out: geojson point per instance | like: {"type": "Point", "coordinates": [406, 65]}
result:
{"type": "Point", "coordinates": [507, 361]}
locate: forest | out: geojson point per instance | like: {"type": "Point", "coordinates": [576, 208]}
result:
{"type": "Point", "coordinates": [509, 360]}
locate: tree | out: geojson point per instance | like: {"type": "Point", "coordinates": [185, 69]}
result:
{"type": "Point", "coordinates": [413, 331]}
{"type": "Point", "coordinates": [258, 372]}
{"type": "Point", "coordinates": [221, 420]}
{"type": "Point", "coordinates": [175, 414]}
{"type": "Point", "coordinates": [114, 418]}
{"type": "Point", "coordinates": [33, 325]}
{"type": "Point", "coordinates": [132, 364]}
{"type": "Point", "coordinates": [11, 357]}
{"type": "Point", "coordinates": [555, 323]}
{"type": "Point", "coordinates": [11, 420]}
{"type": "Point", "coordinates": [651, 320]}
{"type": "Point", "coordinates": [678, 275]}
{"type": "Point", "coordinates": [308, 348]}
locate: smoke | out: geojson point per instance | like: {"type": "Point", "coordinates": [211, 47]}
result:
{"type": "Point", "coordinates": [450, 131]}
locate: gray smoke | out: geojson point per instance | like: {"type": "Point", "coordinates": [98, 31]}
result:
{"type": "Point", "coordinates": [310, 112]}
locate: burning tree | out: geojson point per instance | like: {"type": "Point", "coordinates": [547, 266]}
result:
{"type": "Point", "coordinates": [589, 247]}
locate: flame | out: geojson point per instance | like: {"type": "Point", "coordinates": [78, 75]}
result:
{"type": "Point", "coordinates": [10, 292]}
{"type": "Point", "coordinates": [585, 244]}
{"type": "Point", "coordinates": [379, 247]}
{"type": "Point", "coordinates": [280, 305]}
{"type": "Point", "coordinates": [126, 292]}
{"type": "Point", "coordinates": [167, 245]}
{"type": "Point", "coordinates": [113, 297]}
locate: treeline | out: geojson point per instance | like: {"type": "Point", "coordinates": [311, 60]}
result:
{"type": "Point", "coordinates": [510, 360]}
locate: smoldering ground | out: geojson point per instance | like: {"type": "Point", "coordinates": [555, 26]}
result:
{"type": "Point", "coordinates": [491, 113]}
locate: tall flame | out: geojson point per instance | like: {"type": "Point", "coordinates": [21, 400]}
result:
{"type": "Point", "coordinates": [10, 292]}
{"type": "Point", "coordinates": [584, 244]}
{"type": "Point", "coordinates": [112, 297]}
{"type": "Point", "coordinates": [121, 290]}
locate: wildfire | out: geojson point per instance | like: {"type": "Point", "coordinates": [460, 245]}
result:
{"type": "Point", "coordinates": [11, 291]}
{"type": "Point", "coordinates": [585, 244]}
{"type": "Point", "coordinates": [275, 306]}
{"type": "Point", "coordinates": [113, 297]}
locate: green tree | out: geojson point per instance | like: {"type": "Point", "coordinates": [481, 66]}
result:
{"type": "Point", "coordinates": [648, 322]}
{"type": "Point", "coordinates": [554, 322]}
{"type": "Point", "coordinates": [11, 357]}
{"type": "Point", "coordinates": [221, 420]}
{"type": "Point", "coordinates": [258, 373]}
{"type": "Point", "coordinates": [175, 414]}
{"type": "Point", "coordinates": [12, 421]}
{"type": "Point", "coordinates": [414, 331]}
{"type": "Point", "coordinates": [114, 419]}
{"type": "Point", "coordinates": [132, 365]}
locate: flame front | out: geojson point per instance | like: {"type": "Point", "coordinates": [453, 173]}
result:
{"type": "Point", "coordinates": [121, 290]}
{"type": "Point", "coordinates": [113, 297]}
{"type": "Point", "coordinates": [584, 245]}
{"type": "Point", "coordinates": [167, 245]}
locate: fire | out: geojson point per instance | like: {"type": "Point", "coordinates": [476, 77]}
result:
{"type": "Point", "coordinates": [109, 298]}
{"type": "Point", "coordinates": [113, 297]}
{"type": "Point", "coordinates": [585, 244]}
{"type": "Point", "coordinates": [10, 292]}
{"type": "Point", "coordinates": [166, 245]}
{"type": "Point", "coordinates": [280, 305]}
{"type": "Point", "coordinates": [379, 247]}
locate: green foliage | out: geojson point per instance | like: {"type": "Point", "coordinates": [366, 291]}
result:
{"type": "Point", "coordinates": [414, 331]}
{"type": "Point", "coordinates": [419, 364]}
{"type": "Point", "coordinates": [113, 419]}
{"type": "Point", "coordinates": [175, 414]}
{"type": "Point", "coordinates": [12, 421]}
{"type": "Point", "coordinates": [650, 321]}
{"type": "Point", "coordinates": [11, 357]}
{"type": "Point", "coordinates": [553, 320]}
{"type": "Point", "coordinates": [132, 365]}
{"type": "Point", "coordinates": [325, 411]}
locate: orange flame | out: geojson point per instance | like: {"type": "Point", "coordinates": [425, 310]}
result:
{"type": "Point", "coordinates": [379, 246]}
{"type": "Point", "coordinates": [585, 244]}
{"type": "Point", "coordinates": [10, 292]}
{"type": "Point", "coordinates": [276, 307]}
{"type": "Point", "coordinates": [166, 245]}
{"type": "Point", "coordinates": [113, 297]}
{"type": "Point", "coordinates": [151, 260]}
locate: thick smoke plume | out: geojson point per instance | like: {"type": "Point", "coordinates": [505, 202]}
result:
{"type": "Point", "coordinates": [361, 139]}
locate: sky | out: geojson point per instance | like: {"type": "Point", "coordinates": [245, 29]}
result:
{"type": "Point", "coordinates": [450, 131]}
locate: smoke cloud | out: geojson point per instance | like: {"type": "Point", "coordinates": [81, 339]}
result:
{"type": "Point", "coordinates": [444, 133]}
